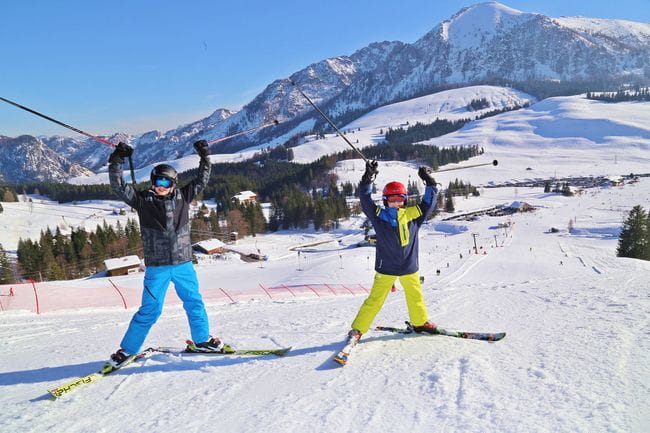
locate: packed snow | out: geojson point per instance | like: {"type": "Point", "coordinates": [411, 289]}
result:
{"type": "Point", "coordinates": [577, 317]}
{"type": "Point", "coordinates": [575, 357]}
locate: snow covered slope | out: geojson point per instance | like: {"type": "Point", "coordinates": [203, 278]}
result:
{"type": "Point", "coordinates": [450, 105]}
{"type": "Point", "coordinates": [558, 137]}
{"type": "Point", "coordinates": [554, 137]}
{"type": "Point", "coordinates": [575, 357]}
{"type": "Point", "coordinates": [26, 219]}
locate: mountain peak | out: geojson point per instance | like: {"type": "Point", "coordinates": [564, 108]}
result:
{"type": "Point", "coordinates": [474, 23]}
{"type": "Point", "coordinates": [491, 8]}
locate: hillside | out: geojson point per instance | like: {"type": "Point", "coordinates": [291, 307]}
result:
{"type": "Point", "coordinates": [596, 138]}
{"type": "Point", "coordinates": [574, 358]}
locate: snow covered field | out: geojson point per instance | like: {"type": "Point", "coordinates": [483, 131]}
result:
{"type": "Point", "coordinates": [575, 357]}
{"type": "Point", "coordinates": [577, 318]}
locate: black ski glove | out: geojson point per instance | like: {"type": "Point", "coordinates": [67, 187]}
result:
{"type": "Point", "coordinates": [202, 148]}
{"type": "Point", "coordinates": [122, 150]}
{"type": "Point", "coordinates": [426, 174]}
{"type": "Point", "coordinates": [371, 172]}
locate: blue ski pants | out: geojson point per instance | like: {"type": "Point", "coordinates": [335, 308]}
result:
{"type": "Point", "coordinates": [156, 282]}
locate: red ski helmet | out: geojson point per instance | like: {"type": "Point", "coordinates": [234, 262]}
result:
{"type": "Point", "coordinates": [393, 188]}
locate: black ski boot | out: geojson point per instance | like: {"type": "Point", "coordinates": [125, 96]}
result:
{"type": "Point", "coordinates": [117, 360]}
{"type": "Point", "coordinates": [213, 345]}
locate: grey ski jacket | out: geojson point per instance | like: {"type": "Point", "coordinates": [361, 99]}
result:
{"type": "Point", "coordinates": [164, 221]}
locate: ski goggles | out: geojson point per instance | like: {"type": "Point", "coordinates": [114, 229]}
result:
{"type": "Point", "coordinates": [162, 182]}
{"type": "Point", "coordinates": [396, 198]}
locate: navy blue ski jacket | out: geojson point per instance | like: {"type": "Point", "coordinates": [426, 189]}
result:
{"type": "Point", "coordinates": [397, 231]}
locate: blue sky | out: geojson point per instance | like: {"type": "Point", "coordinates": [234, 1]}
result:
{"type": "Point", "coordinates": [133, 66]}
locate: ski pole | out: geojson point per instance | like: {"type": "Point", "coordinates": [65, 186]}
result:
{"type": "Point", "coordinates": [94, 137]}
{"type": "Point", "coordinates": [266, 125]}
{"type": "Point", "coordinates": [328, 120]}
{"type": "Point", "coordinates": [494, 163]}
{"type": "Point", "coordinates": [22, 107]}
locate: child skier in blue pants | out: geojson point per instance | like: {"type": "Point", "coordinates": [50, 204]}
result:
{"type": "Point", "coordinates": [163, 212]}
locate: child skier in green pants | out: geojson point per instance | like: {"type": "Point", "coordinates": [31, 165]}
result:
{"type": "Point", "coordinates": [396, 256]}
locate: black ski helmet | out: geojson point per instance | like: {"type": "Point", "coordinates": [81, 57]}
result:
{"type": "Point", "coordinates": [164, 170]}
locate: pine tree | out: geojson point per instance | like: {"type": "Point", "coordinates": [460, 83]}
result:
{"type": "Point", "coordinates": [633, 240]}
{"type": "Point", "coordinates": [274, 220]}
{"type": "Point", "coordinates": [133, 239]}
{"type": "Point", "coordinates": [214, 225]}
{"type": "Point", "coordinates": [449, 202]}
{"type": "Point", "coordinates": [255, 218]}
{"type": "Point", "coordinates": [440, 199]}
{"type": "Point", "coordinates": [6, 271]}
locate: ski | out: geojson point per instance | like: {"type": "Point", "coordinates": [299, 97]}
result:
{"type": "Point", "coordinates": [233, 352]}
{"type": "Point", "coordinates": [342, 356]}
{"type": "Point", "coordinates": [484, 336]}
{"type": "Point", "coordinates": [94, 377]}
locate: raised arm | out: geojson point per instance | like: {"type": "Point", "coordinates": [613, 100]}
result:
{"type": "Point", "coordinates": [201, 180]}
{"type": "Point", "coordinates": [365, 188]}
{"type": "Point", "coordinates": [430, 198]}
{"type": "Point", "coordinates": [123, 190]}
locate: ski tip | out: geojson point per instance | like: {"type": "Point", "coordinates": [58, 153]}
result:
{"type": "Point", "coordinates": [340, 360]}
{"type": "Point", "coordinates": [283, 351]}
{"type": "Point", "coordinates": [498, 336]}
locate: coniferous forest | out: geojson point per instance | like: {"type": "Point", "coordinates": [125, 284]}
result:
{"type": "Point", "coordinates": [621, 95]}
{"type": "Point", "coordinates": [301, 195]}
{"type": "Point", "coordinates": [81, 253]}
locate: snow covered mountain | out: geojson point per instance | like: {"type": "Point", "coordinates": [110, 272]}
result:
{"type": "Point", "coordinates": [490, 41]}
{"type": "Point", "coordinates": [26, 158]}
{"type": "Point", "coordinates": [152, 145]}
{"type": "Point", "coordinates": [368, 129]}
{"type": "Point", "coordinates": [486, 42]}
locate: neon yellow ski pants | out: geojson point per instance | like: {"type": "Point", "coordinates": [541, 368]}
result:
{"type": "Point", "coordinates": [380, 288]}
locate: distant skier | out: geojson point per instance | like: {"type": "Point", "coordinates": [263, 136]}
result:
{"type": "Point", "coordinates": [396, 256]}
{"type": "Point", "coordinates": [163, 212]}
